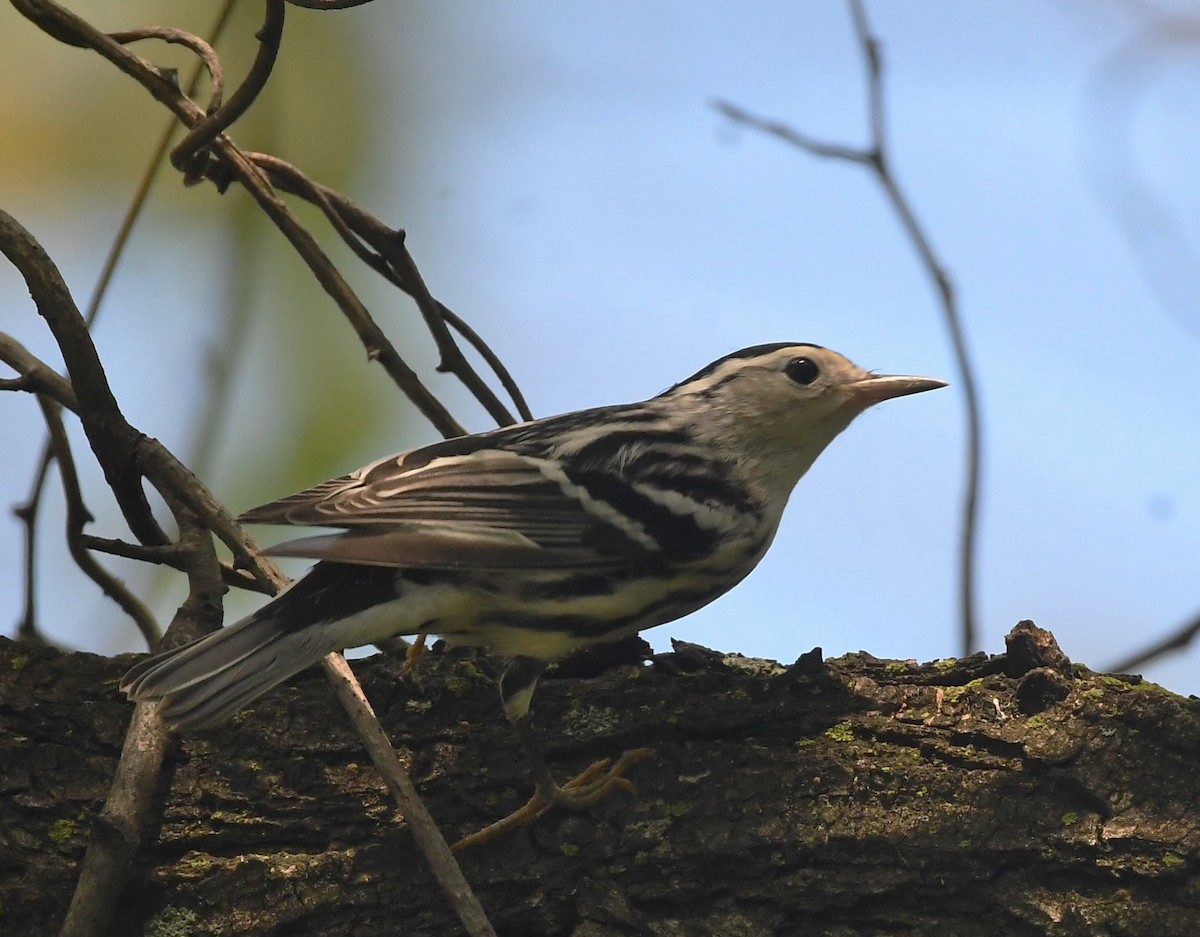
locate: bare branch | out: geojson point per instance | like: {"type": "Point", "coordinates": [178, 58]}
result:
{"type": "Point", "coordinates": [105, 867]}
{"type": "Point", "coordinates": [189, 155]}
{"type": "Point", "coordinates": [328, 4]}
{"type": "Point", "coordinates": [493, 360]}
{"type": "Point", "coordinates": [233, 164]}
{"type": "Point", "coordinates": [173, 556]}
{"type": "Point", "coordinates": [110, 436]}
{"type": "Point", "coordinates": [39, 378]}
{"type": "Point", "coordinates": [876, 157]}
{"type": "Point", "coordinates": [203, 50]}
{"type": "Point", "coordinates": [117, 832]}
{"type": "Point", "coordinates": [78, 517]}
{"type": "Point", "coordinates": [445, 867]}
{"type": "Point", "coordinates": [387, 242]}
{"type": "Point", "coordinates": [1179, 639]}
{"type": "Point", "coordinates": [36, 376]}
{"type": "Point", "coordinates": [384, 250]}
{"type": "Point", "coordinates": [143, 455]}
{"type": "Point", "coordinates": [792, 136]}
{"type": "Point", "coordinates": [27, 514]}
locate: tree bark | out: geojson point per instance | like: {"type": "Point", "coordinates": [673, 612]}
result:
{"type": "Point", "coordinates": [1014, 794]}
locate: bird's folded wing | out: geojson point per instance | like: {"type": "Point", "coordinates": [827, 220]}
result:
{"type": "Point", "coordinates": [488, 508]}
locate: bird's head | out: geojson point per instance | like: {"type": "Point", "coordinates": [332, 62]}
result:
{"type": "Point", "coordinates": [782, 404]}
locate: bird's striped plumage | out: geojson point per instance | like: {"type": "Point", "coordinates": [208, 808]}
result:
{"type": "Point", "coordinates": [535, 539]}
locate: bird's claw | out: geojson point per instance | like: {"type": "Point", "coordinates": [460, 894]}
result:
{"type": "Point", "coordinates": [587, 788]}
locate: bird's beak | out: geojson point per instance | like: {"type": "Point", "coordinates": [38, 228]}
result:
{"type": "Point", "coordinates": [877, 387]}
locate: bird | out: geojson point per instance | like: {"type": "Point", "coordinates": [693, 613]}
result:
{"type": "Point", "coordinates": [534, 540]}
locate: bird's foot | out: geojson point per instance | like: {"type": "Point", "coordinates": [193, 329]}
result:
{"type": "Point", "coordinates": [414, 653]}
{"type": "Point", "coordinates": [588, 787]}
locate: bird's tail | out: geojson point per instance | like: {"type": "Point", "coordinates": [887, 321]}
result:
{"type": "Point", "coordinates": [203, 683]}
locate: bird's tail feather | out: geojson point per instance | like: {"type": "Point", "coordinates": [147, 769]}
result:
{"type": "Point", "coordinates": [203, 683]}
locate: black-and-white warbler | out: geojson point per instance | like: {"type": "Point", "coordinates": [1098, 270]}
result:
{"type": "Point", "coordinates": [534, 540]}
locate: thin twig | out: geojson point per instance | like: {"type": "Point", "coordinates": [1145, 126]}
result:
{"type": "Point", "coordinates": [203, 50]}
{"type": "Point", "coordinates": [1179, 639]}
{"type": "Point", "coordinates": [505, 378]}
{"type": "Point", "coordinates": [78, 517]}
{"type": "Point", "coordinates": [117, 833]}
{"type": "Point", "coordinates": [382, 248]}
{"type": "Point", "coordinates": [234, 165]}
{"type": "Point", "coordinates": [429, 838]}
{"type": "Point", "coordinates": [149, 457]}
{"type": "Point", "coordinates": [28, 512]}
{"type": "Point", "coordinates": [876, 157]}
{"type": "Point", "coordinates": [188, 155]}
{"type": "Point", "coordinates": [36, 375]}
{"type": "Point", "coordinates": [172, 556]}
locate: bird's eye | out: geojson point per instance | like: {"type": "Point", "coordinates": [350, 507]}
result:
{"type": "Point", "coordinates": [802, 370]}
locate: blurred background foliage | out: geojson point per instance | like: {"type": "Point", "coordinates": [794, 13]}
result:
{"type": "Point", "coordinates": [216, 336]}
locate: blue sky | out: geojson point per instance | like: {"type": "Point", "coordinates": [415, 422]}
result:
{"type": "Point", "coordinates": [569, 189]}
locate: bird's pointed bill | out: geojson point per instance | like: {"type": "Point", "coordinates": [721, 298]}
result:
{"type": "Point", "coordinates": [880, 387]}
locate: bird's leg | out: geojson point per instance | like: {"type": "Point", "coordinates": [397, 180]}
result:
{"type": "Point", "coordinates": [415, 652]}
{"type": "Point", "coordinates": [591, 785]}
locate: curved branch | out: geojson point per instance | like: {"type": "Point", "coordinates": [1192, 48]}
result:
{"type": "Point", "coordinates": [27, 630]}
{"type": "Point", "coordinates": [328, 4]}
{"type": "Point", "coordinates": [188, 154]}
{"type": "Point", "coordinates": [456, 322]}
{"type": "Point", "coordinates": [234, 165]}
{"type": "Point", "coordinates": [109, 434]}
{"type": "Point", "coordinates": [78, 517]}
{"type": "Point", "coordinates": [36, 376]}
{"type": "Point", "coordinates": [117, 832]}
{"type": "Point", "coordinates": [149, 459]}
{"type": "Point", "coordinates": [384, 251]}
{"type": "Point", "coordinates": [209, 59]}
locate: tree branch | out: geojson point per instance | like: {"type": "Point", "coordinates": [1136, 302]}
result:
{"type": "Point", "coordinates": [78, 517]}
{"type": "Point", "coordinates": [1012, 794]}
{"type": "Point", "coordinates": [111, 437]}
{"type": "Point", "coordinates": [117, 833]}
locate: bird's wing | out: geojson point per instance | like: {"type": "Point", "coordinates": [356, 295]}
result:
{"type": "Point", "coordinates": [460, 504]}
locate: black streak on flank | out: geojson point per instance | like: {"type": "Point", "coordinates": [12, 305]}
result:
{"type": "Point", "coordinates": [678, 536]}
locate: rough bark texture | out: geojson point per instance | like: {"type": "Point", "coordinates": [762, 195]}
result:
{"type": "Point", "coordinates": [1012, 795]}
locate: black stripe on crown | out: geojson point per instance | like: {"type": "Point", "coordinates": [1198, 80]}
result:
{"type": "Point", "coordinates": [754, 351]}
